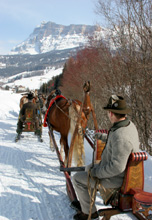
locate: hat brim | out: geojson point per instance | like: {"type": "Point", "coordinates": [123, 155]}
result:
{"type": "Point", "coordinates": [118, 111]}
{"type": "Point", "coordinates": [30, 97]}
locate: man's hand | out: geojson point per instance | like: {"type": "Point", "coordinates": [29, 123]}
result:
{"type": "Point", "coordinates": [97, 135]}
{"type": "Point", "coordinates": [100, 136]}
{"type": "Point", "coordinates": [88, 167]}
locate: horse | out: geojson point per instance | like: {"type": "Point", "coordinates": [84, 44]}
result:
{"type": "Point", "coordinates": [36, 98]}
{"type": "Point", "coordinates": [64, 115]}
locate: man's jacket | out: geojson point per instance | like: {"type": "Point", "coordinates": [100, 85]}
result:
{"type": "Point", "coordinates": [122, 140]}
{"type": "Point", "coordinates": [29, 105]}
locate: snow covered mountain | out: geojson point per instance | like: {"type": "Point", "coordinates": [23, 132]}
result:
{"type": "Point", "coordinates": [50, 36]}
{"type": "Point", "coordinates": [48, 47]}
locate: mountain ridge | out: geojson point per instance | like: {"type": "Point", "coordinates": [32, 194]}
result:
{"type": "Point", "coordinates": [49, 36]}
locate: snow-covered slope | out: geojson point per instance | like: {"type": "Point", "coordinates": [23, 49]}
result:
{"type": "Point", "coordinates": [31, 82]}
{"type": "Point", "coordinates": [31, 185]}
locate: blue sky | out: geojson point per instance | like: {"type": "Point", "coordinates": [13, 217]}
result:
{"type": "Point", "coordinates": [18, 18]}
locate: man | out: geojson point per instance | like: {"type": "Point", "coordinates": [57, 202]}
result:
{"type": "Point", "coordinates": [22, 116]}
{"type": "Point", "coordinates": [121, 141]}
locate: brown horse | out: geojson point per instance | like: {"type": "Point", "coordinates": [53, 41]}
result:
{"type": "Point", "coordinates": [63, 117]}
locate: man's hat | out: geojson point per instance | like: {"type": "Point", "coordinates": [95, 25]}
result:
{"type": "Point", "coordinates": [30, 96]}
{"type": "Point", "coordinates": [117, 105]}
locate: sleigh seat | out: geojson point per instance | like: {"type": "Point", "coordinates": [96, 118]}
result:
{"type": "Point", "coordinates": [132, 196]}
{"type": "Point", "coordinates": [29, 124]}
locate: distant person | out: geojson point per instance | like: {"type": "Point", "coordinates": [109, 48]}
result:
{"type": "Point", "coordinates": [23, 116]}
{"type": "Point", "coordinates": [39, 113]}
{"type": "Point", "coordinates": [122, 139]}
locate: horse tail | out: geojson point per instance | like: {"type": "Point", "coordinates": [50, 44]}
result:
{"type": "Point", "coordinates": [78, 149]}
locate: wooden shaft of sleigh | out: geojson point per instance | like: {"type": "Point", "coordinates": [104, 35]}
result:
{"type": "Point", "coordinates": [70, 189]}
{"type": "Point", "coordinates": [72, 169]}
{"type": "Point", "coordinates": [89, 141]}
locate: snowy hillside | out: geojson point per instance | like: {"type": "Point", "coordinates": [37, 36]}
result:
{"type": "Point", "coordinates": [31, 185]}
{"type": "Point", "coordinates": [31, 82]}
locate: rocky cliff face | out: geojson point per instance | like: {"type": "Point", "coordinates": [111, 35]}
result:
{"type": "Point", "coordinates": [51, 36]}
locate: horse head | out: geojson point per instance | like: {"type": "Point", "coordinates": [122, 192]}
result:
{"type": "Point", "coordinates": [87, 102]}
{"type": "Point", "coordinates": [86, 87]}
{"type": "Point", "coordinates": [52, 95]}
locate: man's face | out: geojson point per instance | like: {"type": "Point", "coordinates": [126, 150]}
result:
{"type": "Point", "coordinates": [111, 117]}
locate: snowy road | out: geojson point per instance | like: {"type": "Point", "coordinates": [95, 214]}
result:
{"type": "Point", "coordinates": [31, 185]}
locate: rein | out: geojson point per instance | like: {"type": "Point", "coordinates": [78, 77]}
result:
{"type": "Point", "coordinates": [92, 193]}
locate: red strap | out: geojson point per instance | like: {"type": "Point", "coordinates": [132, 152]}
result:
{"type": "Point", "coordinates": [102, 131]}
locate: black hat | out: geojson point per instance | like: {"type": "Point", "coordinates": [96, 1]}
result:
{"type": "Point", "coordinates": [30, 96]}
{"type": "Point", "coordinates": [117, 105]}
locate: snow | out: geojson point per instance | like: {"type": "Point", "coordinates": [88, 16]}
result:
{"type": "Point", "coordinates": [31, 185]}
{"type": "Point", "coordinates": [33, 82]}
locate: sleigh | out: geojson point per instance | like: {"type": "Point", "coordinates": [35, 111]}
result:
{"type": "Point", "coordinates": [29, 125]}
{"type": "Point", "coordinates": [131, 197]}
{"type": "Point", "coordinates": [32, 122]}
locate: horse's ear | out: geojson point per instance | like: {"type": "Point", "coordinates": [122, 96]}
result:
{"type": "Point", "coordinates": [89, 85]}
{"type": "Point", "coordinates": [84, 85]}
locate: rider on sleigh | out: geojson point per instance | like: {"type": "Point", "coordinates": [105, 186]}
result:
{"type": "Point", "coordinates": [23, 116]}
